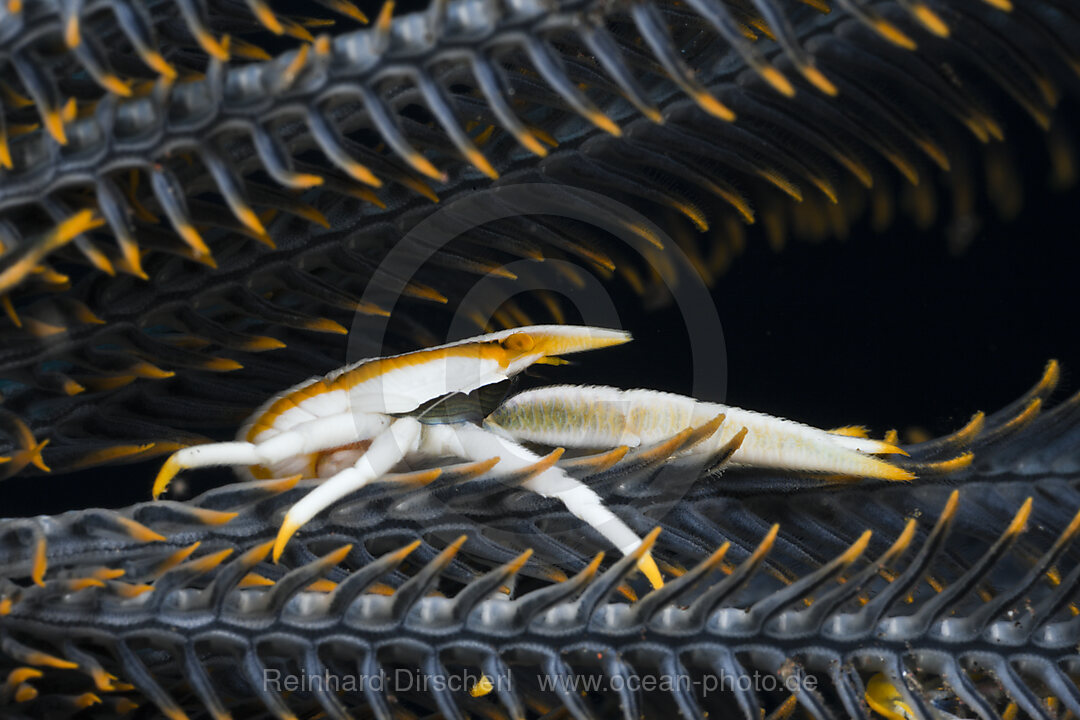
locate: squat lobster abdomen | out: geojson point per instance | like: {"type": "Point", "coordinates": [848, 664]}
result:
{"type": "Point", "coordinates": [597, 417]}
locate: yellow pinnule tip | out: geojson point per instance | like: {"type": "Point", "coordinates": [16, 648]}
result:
{"type": "Point", "coordinates": [818, 80]}
{"type": "Point", "coordinates": [894, 35]}
{"type": "Point", "coordinates": [194, 240]}
{"type": "Point", "coordinates": [530, 143]}
{"type": "Point", "coordinates": [778, 80]}
{"type": "Point", "coordinates": [482, 687]}
{"type": "Point", "coordinates": [327, 325]}
{"type": "Point", "coordinates": [1005, 5]}
{"type": "Point", "coordinates": [165, 475]}
{"type": "Point", "coordinates": [951, 465]}
{"type": "Point", "coordinates": [86, 700]}
{"type": "Point", "coordinates": [54, 123]}
{"type": "Point", "coordinates": [285, 533]}
{"type": "Point", "coordinates": [263, 343]}
{"type": "Point", "coordinates": [83, 583]}
{"type": "Point", "coordinates": [22, 674]}
{"type": "Point", "coordinates": [477, 159]}
{"type": "Point", "coordinates": [858, 547]}
{"type": "Point", "coordinates": [339, 555]}
{"type": "Point", "coordinates": [268, 19]}
{"type": "Point", "coordinates": [215, 49]}
{"type": "Point", "coordinates": [404, 552]}
{"type": "Point", "coordinates": [605, 123]}
{"type": "Point", "coordinates": [714, 107]}
{"type": "Point", "coordinates": [931, 21]}
{"type": "Point", "coordinates": [222, 365]}
{"type": "Point", "coordinates": [5, 152]}
{"type": "Point", "coordinates": [386, 14]}
{"type": "Point", "coordinates": [250, 220]}
{"type": "Point", "coordinates": [1051, 375]}
{"type": "Point", "coordinates": [36, 657]}
{"type": "Point", "coordinates": [160, 65]}
{"type": "Point", "coordinates": [359, 171]}
{"type": "Point", "coordinates": [208, 562]}
{"type": "Point", "coordinates": [648, 566]}
{"type": "Point", "coordinates": [139, 531]}
{"type": "Point", "coordinates": [71, 32]}
{"type": "Point", "coordinates": [35, 456]}
{"type": "Point", "coordinates": [215, 517]}
{"type": "Point", "coordinates": [422, 165]}
{"type": "Point", "coordinates": [348, 9]}
{"type": "Point", "coordinates": [116, 86]}
{"type": "Point", "coordinates": [25, 693]}
{"type": "Point", "coordinates": [1020, 521]}
{"type": "Point", "coordinates": [41, 563]}
{"type": "Point", "coordinates": [303, 181]}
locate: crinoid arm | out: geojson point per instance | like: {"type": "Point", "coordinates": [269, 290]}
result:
{"type": "Point", "coordinates": [603, 417]}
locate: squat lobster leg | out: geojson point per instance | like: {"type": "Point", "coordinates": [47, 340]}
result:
{"type": "Point", "coordinates": [302, 441]}
{"type": "Point", "coordinates": [389, 447]}
{"type": "Point", "coordinates": [474, 443]}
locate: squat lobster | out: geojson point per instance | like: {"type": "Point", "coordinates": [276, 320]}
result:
{"type": "Point", "coordinates": [353, 426]}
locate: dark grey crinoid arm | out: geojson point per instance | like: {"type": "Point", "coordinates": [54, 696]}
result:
{"type": "Point", "coordinates": [954, 592]}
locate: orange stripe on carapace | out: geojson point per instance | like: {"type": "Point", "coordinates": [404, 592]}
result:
{"type": "Point", "coordinates": [372, 369]}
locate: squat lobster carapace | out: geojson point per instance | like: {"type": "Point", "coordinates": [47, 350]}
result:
{"type": "Point", "coordinates": [286, 435]}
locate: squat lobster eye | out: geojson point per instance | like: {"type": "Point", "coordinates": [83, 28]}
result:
{"type": "Point", "coordinates": [518, 342]}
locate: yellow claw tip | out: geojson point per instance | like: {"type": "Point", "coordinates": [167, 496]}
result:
{"type": "Point", "coordinates": [898, 474]}
{"type": "Point", "coordinates": [168, 471]}
{"type": "Point", "coordinates": [285, 533]}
